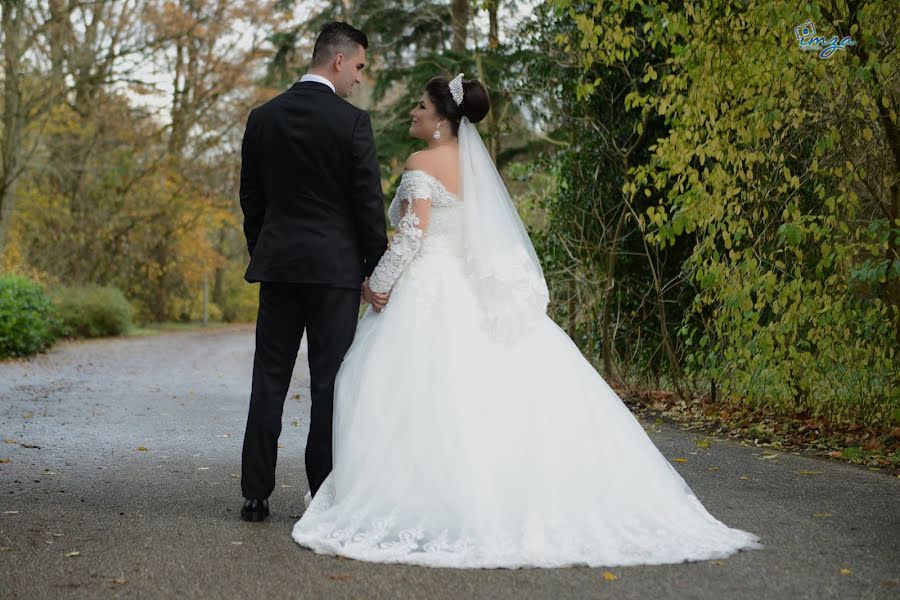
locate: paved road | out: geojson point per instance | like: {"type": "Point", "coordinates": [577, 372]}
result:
{"type": "Point", "coordinates": [139, 452]}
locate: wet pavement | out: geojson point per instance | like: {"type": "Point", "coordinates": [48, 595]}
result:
{"type": "Point", "coordinates": [119, 466]}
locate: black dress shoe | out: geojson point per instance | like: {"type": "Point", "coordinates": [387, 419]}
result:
{"type": "Point", "coordinates": [255, 509]}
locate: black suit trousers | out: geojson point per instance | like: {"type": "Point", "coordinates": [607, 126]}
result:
{"type": "Point", "coordinates": [329, 316]}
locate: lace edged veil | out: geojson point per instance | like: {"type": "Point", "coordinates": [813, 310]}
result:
{"type": "Point", "coordinates": [499, 254]}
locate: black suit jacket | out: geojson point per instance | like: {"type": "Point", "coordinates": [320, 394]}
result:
{"type": "Point", "coordinates": [311, 190]}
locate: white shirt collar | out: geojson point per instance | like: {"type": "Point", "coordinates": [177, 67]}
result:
{"type": "Point", "coordinates": [318, 78]}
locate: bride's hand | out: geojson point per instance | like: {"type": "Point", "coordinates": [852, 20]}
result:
{"type": "Point", "coordinates": [378, 301]}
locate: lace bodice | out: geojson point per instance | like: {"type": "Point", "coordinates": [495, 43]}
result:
{"type": "Point", "coordinates": [443, 231]}
{"type": "Point", "coordinates": [418, 184]}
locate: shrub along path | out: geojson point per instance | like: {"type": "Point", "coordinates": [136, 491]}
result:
{"type": "Point", "coordinates": [118, 473]}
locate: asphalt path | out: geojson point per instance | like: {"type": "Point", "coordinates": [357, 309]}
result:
{"type": "Point", "coordinates": [119, 467]}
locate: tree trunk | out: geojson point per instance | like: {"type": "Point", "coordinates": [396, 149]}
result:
{"type": "Point", "coordinates": [58, 31]}
{"type": "Point", "coordinates": [607, 296]}
{"type": "Point", "coordinates": [571, 307]}
{"type": "Point", "coordinates": [218, 291]}
{"type": "Point", "coordinates": [494, 120]}
{"type": "Point", "coordinates": [176, 135]}
{"type": "Point", "coordinates": [459, 17]}
{"type": "Point", "coordinates": [494, 28]}
{"type": "Point", "coordinates": [13, 114]}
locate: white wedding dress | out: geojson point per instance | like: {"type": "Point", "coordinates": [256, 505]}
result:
{"type": "Point", "coordinates": [452, 449]}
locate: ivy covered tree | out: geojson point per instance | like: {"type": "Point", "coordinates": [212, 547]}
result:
{"type": "Point", "coordinates": [619, 296]}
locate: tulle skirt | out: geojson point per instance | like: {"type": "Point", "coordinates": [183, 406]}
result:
{"type": "Point", "coordinates": [454, 450]}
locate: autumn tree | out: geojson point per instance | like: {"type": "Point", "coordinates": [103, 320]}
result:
{"type": "Point", "coordinates": [125, 185]}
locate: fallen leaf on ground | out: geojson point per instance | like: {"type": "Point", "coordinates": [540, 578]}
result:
{"type": "Point", "coordinates": [339, 577]}
{"type": "Point", "coordinates": [296, 396]}
{"type": "Point", "coordinates": [809, 472]}
{"type": "Point", "coordinates": [237, 543]}
{"type": "Point", "coordinates": [10, 512]}
{"type": "Point", "coordinates": [703, 443]}
{"type": "Point", "coordinates": [679, 459]}
{"type": "Point", "coordinates": [5, 460]}
{"type": "Point", "coordinates": [281, 445]}
{"type": "Point", "coordinates": [716, 562]}
{"type": "Point", "coordinates": [6, 548]}
{"type": "Point", "coordinates": [24, 445]}
{"type": "Point", "coordinates": [118, 580]}
{"type": "Point", "coordinates": [845, 572]}
{"type": "Point", "coordinates": [225, 435]}
{"type": "Point", "coordinates": [10, 442]}
{"type": "Point", "coordinates": [71, 554]}
{"type": "Point", "coordinates": [836, 454]}
{"type": "Point", "coordinates": [203, 468]}
{"type": "Point", "coordinates": [714, 468]}
{"type": "Point", "coordinates": [823, 515]}
{"type": "Point", "coordinates": [142, 449]}
{"type": "Point", "coordinates": [768, 456]}
{"type": "Point", "coordinates": [27, 415]}
{"type": "Point", "coordinates": [744, 477]}
{"type": "Point", "coordinates": [609, 576]}
{"type": "Point", "coordinates": [235, 475]}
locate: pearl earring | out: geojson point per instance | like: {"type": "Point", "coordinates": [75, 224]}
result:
{"type": "Point", "coordinates": [437, 132]}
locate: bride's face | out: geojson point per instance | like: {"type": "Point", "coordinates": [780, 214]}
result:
{"type": "Point", "coordinates": [425, 120]}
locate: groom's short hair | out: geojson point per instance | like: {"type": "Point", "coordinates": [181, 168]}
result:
{"type": "Point", "coordinates": [335, 37]}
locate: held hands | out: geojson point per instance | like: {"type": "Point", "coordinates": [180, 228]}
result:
{"type": "Point", "coordinates": [378, 301]}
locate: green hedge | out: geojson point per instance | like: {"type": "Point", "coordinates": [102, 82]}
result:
{"type": "Point", "coordinates": [92, 311]}
{"type": "Point", "coordinates": [28, 322]}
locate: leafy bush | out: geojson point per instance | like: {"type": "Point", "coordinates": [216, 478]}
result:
{"type": "Point", "coordinates": [190, 310]}
{"type": "Point", "coordinates": [27, 317]}
{"type": "Point", "coordinates": [92, 311]}
{"type": "Point", "coordinates": [241, 300]}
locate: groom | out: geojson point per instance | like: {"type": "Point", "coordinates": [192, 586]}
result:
{"type": "Point", "coordinates": [315, 227]}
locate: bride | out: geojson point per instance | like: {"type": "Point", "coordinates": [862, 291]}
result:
{"type": "Point", "coordinates": [469, 431]}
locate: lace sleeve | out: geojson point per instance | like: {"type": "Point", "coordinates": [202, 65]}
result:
{"type": "Point", "coordinates": [405, 246]}
{"type": "Point", "coordinates": [413, 185]}
{"type": "Point", "coordinates": [409, 212]}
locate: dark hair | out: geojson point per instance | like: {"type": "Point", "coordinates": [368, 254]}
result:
{"type": "Point", "coordinates": [335, 37]}
{"type": "Point", "coordinates": [475, 104]}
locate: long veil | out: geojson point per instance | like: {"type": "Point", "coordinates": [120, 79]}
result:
{"type": "Point", "coordinates": [499, 254]}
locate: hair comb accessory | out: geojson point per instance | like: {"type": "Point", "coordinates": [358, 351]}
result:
{"type": "Point", "coordinates": [456, 89]}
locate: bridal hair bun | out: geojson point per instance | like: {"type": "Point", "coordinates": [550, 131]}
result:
{"type": "Point", "coordinates": [474, 104]}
